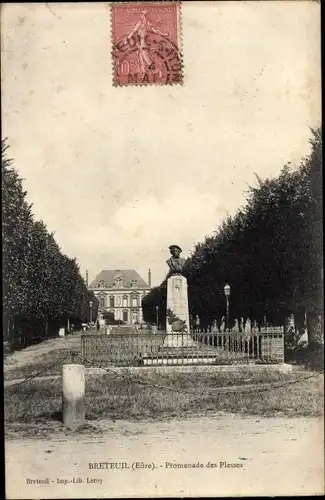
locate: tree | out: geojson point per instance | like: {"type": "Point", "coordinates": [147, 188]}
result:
{"type": "Point", "coordinates": [270, 252]}
{"type": "Point", "coordinates": [17, 221]}
{"type": "Point", "coordinates": [43, 288]}
{"type": "Point", "coordinates": [156, 297]}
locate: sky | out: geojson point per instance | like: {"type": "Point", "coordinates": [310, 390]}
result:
{"type": "Point", "coordinates": [119, 174]}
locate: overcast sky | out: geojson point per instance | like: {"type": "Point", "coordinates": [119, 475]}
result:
{"type": "Point", "coordinates": [121, 173]}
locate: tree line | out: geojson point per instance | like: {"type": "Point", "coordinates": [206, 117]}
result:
{"type": "Point", "coordinates": [270, 253]}
{"type": "Point", "coordinates": [43, 289]}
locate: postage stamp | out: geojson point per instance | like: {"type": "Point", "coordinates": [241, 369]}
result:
{"type": "Point", "coordinates": [146, 40]}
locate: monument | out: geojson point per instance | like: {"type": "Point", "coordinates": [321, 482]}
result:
{"type": "Point", "coordinates": [177, 314]}
{"type": "Point", "coordinates": [178, 347]}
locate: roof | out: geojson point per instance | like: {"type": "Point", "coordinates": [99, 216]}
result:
{"type": "Point", "coordinates": [122, 277]}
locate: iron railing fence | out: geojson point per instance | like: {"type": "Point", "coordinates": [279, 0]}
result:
{"type": "Point", "coordinates": [259, 346]}
{"type": "Point", "coordinates": [145, 348]}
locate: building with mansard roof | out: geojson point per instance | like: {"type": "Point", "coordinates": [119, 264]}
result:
{"type": "Point", "coordinates": [120, 291]}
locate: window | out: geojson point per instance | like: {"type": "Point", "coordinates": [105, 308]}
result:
{"type": "Point", "coordinates": [101, 284]}
{"type": "Point", "coordinates": [134, 301]}
{"type": "Point", "coordinates": [134, 283]}
{"type": "Point", "coordinates": [102, 302]}
{"type": "Point", "coordinates": [125, 316]}
{"type": "Point", "coordinates": [111, 301]}
{"type": "Point", "coordinates": [117, 282]}
{"type": "Point", "coordinates": [118, 314]}
{"type": "Point", "coordinates": [118, 300]}
{"type": "Point", "coordinates": [125, 300]}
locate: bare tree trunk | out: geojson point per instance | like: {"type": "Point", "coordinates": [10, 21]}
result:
{"type": "Point", "coordinates": [15, 339]}
{"type": "Point", "coordinates": [290, 331]}
{"type": "Point", "coordinates": [46, 326]}
{"type": "Point", "coordinates": [314, 328]}
{"type": "Point", "coordinates": [301, 326]}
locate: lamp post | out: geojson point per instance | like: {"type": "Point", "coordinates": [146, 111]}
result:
{"type": "Point", "coordinates": [90, 311]}
{"type": "Point", "coordinates": [157, 316]}
{"type": "Point", "coordinates": [227, 293]}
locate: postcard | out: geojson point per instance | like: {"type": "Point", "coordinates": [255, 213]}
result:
{"type": "Point", "coordinates": [162, 241]}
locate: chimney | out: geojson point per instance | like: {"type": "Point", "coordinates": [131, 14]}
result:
{"type": "Point", "coordinates": [86, 277]}
{"type": "Point", "coordinates": [149, 277]}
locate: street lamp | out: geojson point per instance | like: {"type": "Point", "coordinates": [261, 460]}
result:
{"type": "Point", "coordinates": [90, 311]}
{"type": "Point", "coordinates": [227, 293]}
{"type": "Point", "coordinates": [157, 316]}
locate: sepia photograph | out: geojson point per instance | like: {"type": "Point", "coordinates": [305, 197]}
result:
{"type": "Point", "coordinates": [162, 221]}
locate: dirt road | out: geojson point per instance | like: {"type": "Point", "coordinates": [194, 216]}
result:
{"type": "Point", "coordinates": [269, 457]}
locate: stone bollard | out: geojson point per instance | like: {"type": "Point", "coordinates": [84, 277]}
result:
{"type": "Point", "coordinates": [73, 395]}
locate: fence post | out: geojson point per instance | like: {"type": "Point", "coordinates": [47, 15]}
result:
{"type": "Point", "coordinates": [73, 395]}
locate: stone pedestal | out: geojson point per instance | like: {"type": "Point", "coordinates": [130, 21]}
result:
{"type": "Point", "coordinates": [177, 303]}
{"type": "Point", "coordinates": [178, 340]}
{"type": "Point", "coordinates": [177, 300]}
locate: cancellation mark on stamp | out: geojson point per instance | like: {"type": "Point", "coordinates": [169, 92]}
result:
{"type": "Point", "coordinates": [146, 44]}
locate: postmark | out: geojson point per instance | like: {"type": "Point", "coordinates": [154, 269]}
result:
{"type": "Point", "coordinates": [146, 43]}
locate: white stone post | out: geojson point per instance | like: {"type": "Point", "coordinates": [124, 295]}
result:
{"type": "Point", "coordinates": [73, 395]}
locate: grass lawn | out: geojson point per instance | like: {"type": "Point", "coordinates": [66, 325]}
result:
{"type": "Point", "coordinates": [113, 397]}
{"type": "Point", "coordinates": [36, 404]}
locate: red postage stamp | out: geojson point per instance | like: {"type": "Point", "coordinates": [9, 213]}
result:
{"type": "Point", "coordinates": [146, 40]}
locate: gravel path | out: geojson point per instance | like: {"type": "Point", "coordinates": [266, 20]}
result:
{"type": "Point", "coordinates": [270, 456]}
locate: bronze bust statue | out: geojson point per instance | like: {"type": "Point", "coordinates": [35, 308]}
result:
{"type": "Point", "coordinates": [176, 263]}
